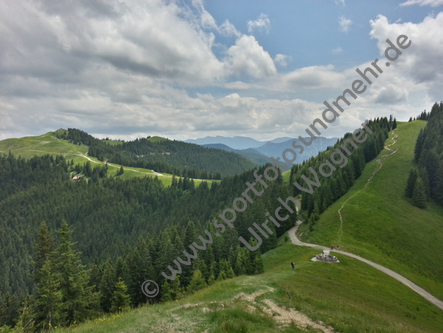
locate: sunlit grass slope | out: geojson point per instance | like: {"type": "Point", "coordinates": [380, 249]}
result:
{"type": "Point", "coordinates": [381, 224]}
{"type": "Point", "coordinates": [48, 143]}
{"type": "Point", "coordinates": [350, 297]}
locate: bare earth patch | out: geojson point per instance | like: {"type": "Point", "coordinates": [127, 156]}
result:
{"type": "Point", "coordinates": [286, 316]}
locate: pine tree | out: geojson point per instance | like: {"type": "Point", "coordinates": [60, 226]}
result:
{"type": "Point", "coordinates": [424, 177]}
{"type": "Point", "coordinates": [141, 268]}
{"type": "Point", "coordinates": [9, 309]}
{"type": "Point", "coordinates": [120, 299]}
{"type": "Point", "coordinates": [240, 264]}
{"type": "Point", "coordinates": [177, 290]}
{"type": "Point", "coordinates": [258, 265]}
{"type": "Point", "coordinates": [166, 292]}
{"type": "Point", "coordinates": [222, 276]}
{"type": "Point", "coordinates": [211, 280]}
{"type": "Point", "coordinates": [43, 248]}
{"type": "Point", "coordinates": [419, 195]}
{"type": "Point", "coordinates": [95, 276]}
{"type": "Point", "coordinates": [107, 286]}
{"type": "Point", "coordinates": [26, 320]}
{"type": "Point", "coordinates": [410, 184]}
{"type": "Point", "coordinates": [48, 301]}
{"type": "Point", "coordinates": [198, 282]}
{"type": "Point", "coordinates": [76, 295]}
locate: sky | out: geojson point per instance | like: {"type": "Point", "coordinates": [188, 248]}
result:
{"type": "Point", "coordinates": [191, 69]}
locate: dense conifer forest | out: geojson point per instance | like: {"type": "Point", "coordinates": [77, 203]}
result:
{"type": "Point", "coordinates": [125, 231]}
{"type": "Point", "coordinates": [425, 182]}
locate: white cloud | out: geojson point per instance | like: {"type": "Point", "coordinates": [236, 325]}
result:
{"type": "Point", "coordinates": [228, 29]}
{"type": "Point", "coordinates": [281, 59]}
{"type": "Point", "coordinates": [123, 69]}
{"type": "Point", "coordinates": [432, 3]}
{"type": "Point", "coordinates": [248, 57]}
{"type": "Point", "coordinates": [338, 50]}
{"type": "Point", "coordinates": [314, 77]}
{"type": "Point", "coordinates": [422, 60]}
{"type": "Point", "coordinates": [344, 24]}
{"type": "Point", "coordinates": [262, 23]}
{"type": "Point", "coordinates": [206, 19]}
{"type": "Point", "coordinates": [338, 2]}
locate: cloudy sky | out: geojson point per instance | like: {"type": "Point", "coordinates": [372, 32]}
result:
{"type": "Point", "coordinates": [189, 69]}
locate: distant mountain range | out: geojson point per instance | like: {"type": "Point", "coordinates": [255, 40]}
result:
{"type": "Point", "coordinates": [250, 153]}
{"type": "Point", "coordinates": [237, 142]}
{"type": "Point", "coordinates": [260, 151]}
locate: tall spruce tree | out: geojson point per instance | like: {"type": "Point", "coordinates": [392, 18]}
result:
{"type": "Point", "coordinates": [410, 184]}
{"type": "Point", "coordinates": [120, 298]}
{"type": "Point", "coordinates": [43, 248]}
{"type": "Point", "coordinates": [76, 295]}
{"type": "Point", "coordinates": [107, 286]}
{"type": "Point", "coordinates": [48, 305]}
{"type": "Point", "coordinates": [419, 195]}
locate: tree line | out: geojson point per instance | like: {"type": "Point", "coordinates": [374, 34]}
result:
{"type": "Point", "coordinates": [425, 181]}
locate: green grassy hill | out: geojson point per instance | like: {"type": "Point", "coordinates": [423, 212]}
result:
{"type": "Point", "coordinates": [48, 143]}
{"type": "Point", "coordinates": [381, 224]}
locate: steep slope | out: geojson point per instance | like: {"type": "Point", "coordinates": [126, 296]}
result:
{"type": "Point", "coordinates": [376, 221]}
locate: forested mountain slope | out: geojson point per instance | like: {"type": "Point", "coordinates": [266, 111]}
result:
{"type": "Point", "coordinates": [107, 214]}
{"type": "Point", "coordinates": [175, 157]}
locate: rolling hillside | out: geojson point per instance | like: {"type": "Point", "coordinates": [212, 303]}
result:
{"type": "Point", "coordinates": [49, 143]}
{"type": "Point", "coordinates": [175, 157]}
{"type": "Point", "coordinates": [378, 223]}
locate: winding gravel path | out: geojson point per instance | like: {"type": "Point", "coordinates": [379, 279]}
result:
{"type": "Point", "coordinates": [383, 269]}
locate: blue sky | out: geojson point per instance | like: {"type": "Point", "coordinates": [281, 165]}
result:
{"type": "Point", "coordinates": [309, 31]}
{"type": "Point", "coordinates": [193, 68]}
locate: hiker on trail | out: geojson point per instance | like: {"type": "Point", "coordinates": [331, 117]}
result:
{"type": "Point", "coordinates": [332, 247]}
{"type": "Point", "coordinates": [338, 247]}
{"type": "Point", "coordinates": [293, 265]}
